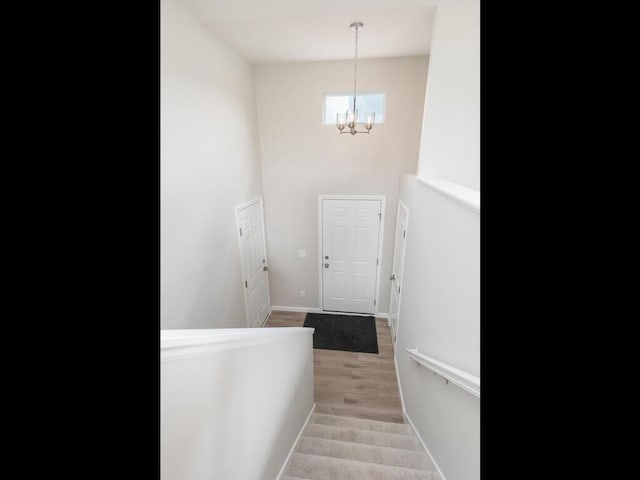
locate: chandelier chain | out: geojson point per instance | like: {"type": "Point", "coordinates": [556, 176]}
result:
{"type": "Point", "coordinates": [350, 118]}
{"type": "Point", "coordinates": [355, 72]}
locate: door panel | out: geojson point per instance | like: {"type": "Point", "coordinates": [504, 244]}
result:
{"type": "Point", "coordinates": [395, 294]}
{"type": "Point", "coordinates": [350, 237]}
{"type": "Point", "coordinates": [253, 254]}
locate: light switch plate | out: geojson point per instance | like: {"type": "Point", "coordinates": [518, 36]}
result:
{"type": "Point", "coordinates": [302, 253]}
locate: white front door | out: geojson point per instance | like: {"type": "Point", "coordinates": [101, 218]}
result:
{"type": "Point", "coordinates": [402, 221]}
{"type": "Point", "coordinates": [349, 254]}
{"type": "Point", "coordinates": [253, 255]}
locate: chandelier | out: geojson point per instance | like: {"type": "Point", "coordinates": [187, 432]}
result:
{"type": "Point", "coordinates": [350, 117]}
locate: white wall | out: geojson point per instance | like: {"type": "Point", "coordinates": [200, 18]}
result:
{"type": "Point", "coordinates": [209, 162]}
{"type": "Point", "coordinates": [440, 311]}
{"type": "Point", "coordinates": [302, 158]}
{"type": "Point", "coordinates": [229, 411]}
{"type": "Point", "coordinates": [450, 147]}
{"type": "Point", "coordinates": [441, 280]}
{"type": "Point", "coordinates": [440, 316]}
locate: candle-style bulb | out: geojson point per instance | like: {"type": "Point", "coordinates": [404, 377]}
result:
{"type": "Point", "coordinates": [371, 118]}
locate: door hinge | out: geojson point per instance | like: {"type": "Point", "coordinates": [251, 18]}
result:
{"type": "Point", "coordinates": [240, 232]}
{"type": "Point", "coordinates": [404, 234]}
{"type": "Point", "coordinates": [379, 216]}
{"type": "Point", "coordinates": [374, 302]}
{"type": "Point", "coordinates": [245, 284]}
{"type": "Point", "coordinates": [398, 289]}
{"type": "Point", "coordinates": [376, 261]}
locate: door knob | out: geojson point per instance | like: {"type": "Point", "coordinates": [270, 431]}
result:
{"type": "Point", "coordinates": [326, 257]}
{"type": "Point", "coordinates": [392, 277]}
{"type": "Point", "coordinates": [326, 265]}
{"type": "Point", "coordinates": [265, 268]}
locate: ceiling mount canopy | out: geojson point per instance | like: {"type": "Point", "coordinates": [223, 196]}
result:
{"type": "Point", "coordinates": [350, 117]}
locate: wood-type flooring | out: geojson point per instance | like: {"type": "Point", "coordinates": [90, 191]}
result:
{"type": "Point", "coordinates": [352, 384]}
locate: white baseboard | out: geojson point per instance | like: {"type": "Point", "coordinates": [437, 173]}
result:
{"type": "Point", "coordinates": [281, 473]}
{"type": "Point", "coordinates": [404, 412]}
{"type": "Point", "coordinates": [294, 309]}
{"type": "Point", "coordinates": [382, 315]}
{"type": "Point", "coordinates": [265, 320]}
{"type": "Point", "coordinates": [395, 362]}
{"type": "Point", "coordinates": [408, 418]}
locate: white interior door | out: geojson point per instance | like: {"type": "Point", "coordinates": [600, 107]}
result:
{"type": "Point", "coordinates": [253, 255]}
{"type": "Point", "coordinates": [402, 222]}
{"type": "Point", "coordinates": [349, 250]}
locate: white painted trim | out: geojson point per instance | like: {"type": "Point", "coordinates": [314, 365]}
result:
{"type": "Point", "coordinates": [237, 210]}
{"type": "Point", "coordinates": [424, 445]}
{"type": "Point", "coordinates": [383, 212]}
{"type": "Point", "coordinates": [285, 465]}
{"type": "Point", "coordinates": [395, 362]}
{"type": "Point", "coordinates": [463, 195]}
{"type": "Point", "coordinates": [266, 258]}
{"type": "Point", "coordinates": [458, 377]}
{"type": "Point", "coordinates": [179, 344]}
{"type": "Point", "coordinates": [267, 319]}
{"type": "Point", "coordinates": [393, 334]}
{"type": "Point", "coordinates": [282, 308]}
{"type": "Point", "coordinates": [382, 315]}
{"type": "Point", "coordinates": [408, 418]}
{"type": "Point", "coordinates": [383, 202]}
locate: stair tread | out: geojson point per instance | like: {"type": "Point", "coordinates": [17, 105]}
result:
{"type": "Point", "coordinates": [361, 423]}
{"type": "Point", "coordinates": [365, 453]}
{"type": "Point", "coordinates": [363, 436]}
{"type": "Point", "coordinates": [318, 467]}
{"type": "Point", "coordinates": [357, 411]}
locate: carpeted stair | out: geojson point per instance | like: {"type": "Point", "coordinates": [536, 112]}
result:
{"type": "Point", "coordinates": [345, 448]}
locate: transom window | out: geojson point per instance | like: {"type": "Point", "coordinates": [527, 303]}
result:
{"type": "Point", "coordinates": [365, 102]}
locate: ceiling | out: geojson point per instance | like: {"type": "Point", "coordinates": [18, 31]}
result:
{"type": "Point", "coordinates": [276, 31]}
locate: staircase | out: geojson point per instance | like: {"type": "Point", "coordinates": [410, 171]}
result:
{"type": "Point", "coordinates": [345, 448]}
